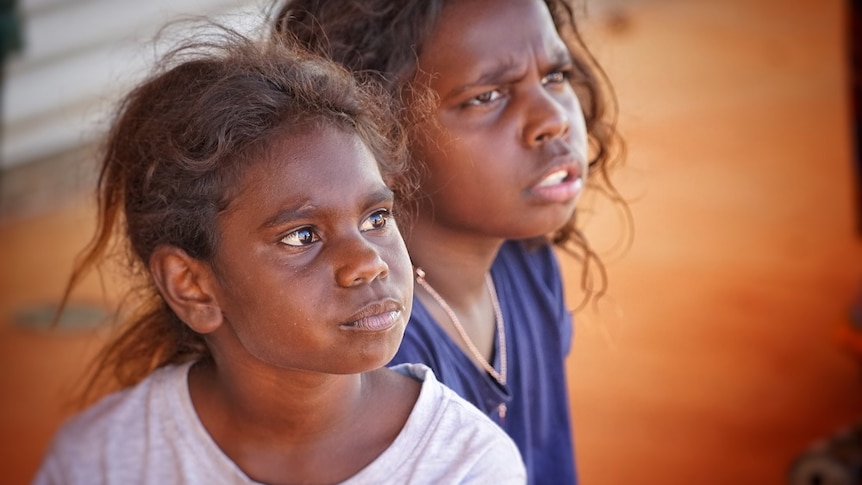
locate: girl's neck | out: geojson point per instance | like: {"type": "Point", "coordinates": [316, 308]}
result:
{"type": "Point", "coordinates": [455, 263]}
{"type": "Point", "coordinates": [454, 269]}
{"type": "Point", "coordinates": [304, 404]}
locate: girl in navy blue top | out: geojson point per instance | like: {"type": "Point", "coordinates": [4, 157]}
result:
{"type": "Point", "coordinates": [510, 118]}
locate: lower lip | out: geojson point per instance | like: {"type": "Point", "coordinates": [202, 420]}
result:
{"type": "Point", "coordinates": [561, 192]}
{"type": "Point", "coordinates": [376, 323]}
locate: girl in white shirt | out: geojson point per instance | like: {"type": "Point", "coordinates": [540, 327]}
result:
{"type": "Point", "coordinates": [255, 186]}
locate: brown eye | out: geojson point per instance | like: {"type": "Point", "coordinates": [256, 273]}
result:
{"type": "Point", "coordinates": [378, 220]}
{"type": "Point", "coordinates": [556, 77]}
{"type": "Point", "coordinates": [300, 237]}
{"type": "Point", "coordinates": [485, 98]}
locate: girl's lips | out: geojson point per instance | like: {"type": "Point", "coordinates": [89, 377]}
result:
{"type": "Point", "coordinates": [554, 178]}
{"type": "Point", "coordinates": [560, 184]}
{"type": "Point", "coordinates": [375, 317]}
{"type": "Point", "coordinates": [376, 323]}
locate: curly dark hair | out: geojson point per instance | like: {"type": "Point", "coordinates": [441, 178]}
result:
{"type": "Point", "coordinates": [382, 40]}
{"type": "Point", "coordinates": [179, 144]}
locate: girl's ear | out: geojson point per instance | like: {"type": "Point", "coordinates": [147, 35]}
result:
{"type": "Point", "coordinates": [188, 286]}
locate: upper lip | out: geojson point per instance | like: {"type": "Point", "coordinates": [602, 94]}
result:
{"type": "Point", "coordinates": [559, 155]}
{"type": "Point", "coordinates": [374, 308]}
{"type": "Point", "coordinates": [565, 161]}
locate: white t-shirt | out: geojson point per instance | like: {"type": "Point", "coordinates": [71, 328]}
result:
{"type": "Point", "coordinates": [151, 434]}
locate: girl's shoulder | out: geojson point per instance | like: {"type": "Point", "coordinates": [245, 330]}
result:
{"type": "Point", "coordinates": [122, 409]}
{"type": "Point", "coordinates": [114, 436]}
{"type": "Point", "coordinates": [447, 440]}
{"type": "Point", "coordinates": [528, 265]}
{"type": "Point", "coordinates": [530, 256]}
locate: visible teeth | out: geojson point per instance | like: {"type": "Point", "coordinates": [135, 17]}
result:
{"type": "Point", "coordinates": [554, 178]}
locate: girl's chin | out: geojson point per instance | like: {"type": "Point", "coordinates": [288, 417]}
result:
{"type": "Point", "coordinates": [545, 226]}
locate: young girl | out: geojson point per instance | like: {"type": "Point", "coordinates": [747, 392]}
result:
{"type": "Point", "coordinates": [250, 181]}
{"type": "Point", "coordinates": [508, 114]}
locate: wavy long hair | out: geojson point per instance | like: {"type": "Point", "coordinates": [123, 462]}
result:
{"type": "Point", "coordinates": [178, 146]}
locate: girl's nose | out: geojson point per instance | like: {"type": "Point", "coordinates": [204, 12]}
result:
{"type": "Point", "coordinates": [359, 262]}
{"type": "Point", "coordinates": [548, 118]}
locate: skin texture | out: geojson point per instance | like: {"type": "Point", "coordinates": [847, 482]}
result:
{"type": "Point", "coordinates": [507, 118]}
{"type": "Point", "coordinates": [306, 298]}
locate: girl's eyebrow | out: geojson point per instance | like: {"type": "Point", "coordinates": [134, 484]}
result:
{"type": "Point", "coordinates": [288, 214]}
{"type": "Point", "coordinates": [560, 56]}
{"type": "Point", "coordinates": [491, 75]}
{"type": "Point", "coordinates": [507, 68]}
{"type": "Point", "coordinates": [307, 209]}
{"type": "Point", "coordinates": [383, 195]}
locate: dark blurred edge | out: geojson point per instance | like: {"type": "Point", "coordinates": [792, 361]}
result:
{"type": "Point", "coordinates": [854, 39]}
{"type": "Point", "coordinates": [11, 41]}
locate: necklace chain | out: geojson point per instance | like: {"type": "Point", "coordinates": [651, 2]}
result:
{"type": "Point", "coordinates": [500, 377]}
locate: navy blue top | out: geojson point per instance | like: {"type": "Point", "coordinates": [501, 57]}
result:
{"type": "Point", "coordinates": [538, 337]}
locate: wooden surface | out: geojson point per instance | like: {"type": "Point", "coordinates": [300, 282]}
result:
{"type": "Point", "coordinates": [714, 359]}
{"type": "Point", "coordinates": [724, 366]}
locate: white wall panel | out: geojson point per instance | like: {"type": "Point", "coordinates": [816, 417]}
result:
{"type": "Point", "coordinates": [79, 57]}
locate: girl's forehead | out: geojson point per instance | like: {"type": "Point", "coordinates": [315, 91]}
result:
{"type": "Point", "coordinates": [306, 159]}
{"type": "Point", "coordinates": [486, 41]}
{"type": "Point", "coordinates": [474, 12]}
{"type": "Point", "coordinates": [466, 24]}
{"type": "Point", "coordinates": [326, 179]}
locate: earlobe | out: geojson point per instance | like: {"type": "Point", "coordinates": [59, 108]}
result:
{"type": "Point", "coordinates": [186, 284]}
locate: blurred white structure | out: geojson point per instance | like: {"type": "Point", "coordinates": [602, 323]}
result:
{"type": "Point", "coordinates": [78, 57]}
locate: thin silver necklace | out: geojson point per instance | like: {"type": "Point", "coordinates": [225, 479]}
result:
{"type": "Point", "coordinates": [500, 377]}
